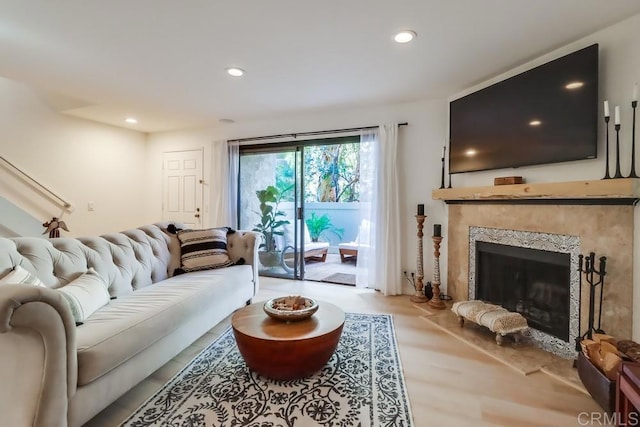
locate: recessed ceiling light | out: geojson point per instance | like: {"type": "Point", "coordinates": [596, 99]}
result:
{"type": "Point", "coordinates": [574, 85]}
{"type": "Point", "coordinates": [535, 123]}
{"type": "Point", "coordinates": [235, 72]}
{"type": "Point", "coordinates": [405, 36]}
{"type": "Point", "coordinates": [131, 120]}
{"type": "Point", "coordinates": [470, 152]}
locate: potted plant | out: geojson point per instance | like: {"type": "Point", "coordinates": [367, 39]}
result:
{"type": "Point", "coordinates": [318, 225]}
{"type": "Point", "coordinates": [271, 224]}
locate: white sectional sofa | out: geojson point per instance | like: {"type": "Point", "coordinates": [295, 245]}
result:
{"type": "Point", "coordinates": [54, 373]}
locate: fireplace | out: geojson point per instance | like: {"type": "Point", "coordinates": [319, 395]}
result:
{"type": "Point", "coordinates": [532, 282]}
{"type": "Point", "coordinates": [523, 216]}
{"type": "Point", "coordinates": [534, 274]}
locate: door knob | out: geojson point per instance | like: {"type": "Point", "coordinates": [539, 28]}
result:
{"type": "Point", "coordinates": [197, 215]}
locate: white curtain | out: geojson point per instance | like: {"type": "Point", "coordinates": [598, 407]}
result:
{"type": "Point", "coordinates": [378, 264]}
{"type": "Point", "coordinates": [224, 177]}
{"type": "Point", "coordinates": [233, 150]}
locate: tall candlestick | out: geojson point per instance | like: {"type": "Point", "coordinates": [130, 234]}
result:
{"type": "Point", "coordinates": [606, 108]}
{"type": "Point", "coordinates": [617, 116]}
{"type": "Point", "coordinates": [606, 175]}
{"type": "Point", "coordinates": [436, 302]}
{"type": "Point", "coordinates": [419, 284]}
{"type": "Point", "coordinates": [634, 104]}
{"type": "Point", "coordinates": [444, 150]}
{"type": "Point", "coordinates": [617, 127]}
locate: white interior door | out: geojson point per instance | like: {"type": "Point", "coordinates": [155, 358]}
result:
{"type": "Point", "coordinates": [182, 187]}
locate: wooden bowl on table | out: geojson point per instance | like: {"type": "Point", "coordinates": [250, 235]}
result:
{"type": "Point", "coordinates": [290, 308]}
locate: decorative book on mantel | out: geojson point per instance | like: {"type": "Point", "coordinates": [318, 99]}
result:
{"type": "Point", "coordinates": [508, 180]}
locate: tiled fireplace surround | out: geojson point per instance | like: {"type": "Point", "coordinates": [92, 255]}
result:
{"type": "Point", "coordinates": [606, 230]}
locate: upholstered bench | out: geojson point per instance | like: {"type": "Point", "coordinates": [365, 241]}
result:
{"type": "Point", "coordinates": [499, 320]}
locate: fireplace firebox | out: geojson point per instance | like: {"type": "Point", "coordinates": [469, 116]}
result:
{"type": "Point", "coordinates": [533, 282]}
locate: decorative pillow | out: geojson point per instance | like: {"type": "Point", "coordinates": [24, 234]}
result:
{"type": "Point", "coordinates": [20, 276]}
{"type": "Point", "coordinates": [204, 249]}
{"type": "Point", "coordinates": [85, 295]}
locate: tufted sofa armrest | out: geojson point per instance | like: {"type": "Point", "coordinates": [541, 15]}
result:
{"type": "Point", "coordinates": [38, 361]}
{"type": "Point", "coordinates": [244, 244]}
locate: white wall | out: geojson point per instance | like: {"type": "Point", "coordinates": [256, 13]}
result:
{"type": "Point", "coordinates": [79, 160]}
{"type": "Point", "coordinates": [419, 155]}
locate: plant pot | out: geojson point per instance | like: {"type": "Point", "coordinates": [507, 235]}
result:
{"type": "Point", "coordinates": [270, 259]}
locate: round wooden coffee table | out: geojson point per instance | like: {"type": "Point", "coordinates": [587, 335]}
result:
{"type": "Point", "coordinates": [285, 351]}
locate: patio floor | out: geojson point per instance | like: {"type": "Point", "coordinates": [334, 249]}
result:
{"type": "Point", "coordinates": [331, 271]}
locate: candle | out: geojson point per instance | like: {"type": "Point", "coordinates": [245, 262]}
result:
{"type": "Point", "coordinates": [617, 117]}
{"type": "Point", "coordinates": [635, 92]}
{"type": "Point", "coordinates": [420, 209]}
{"type": "Point", "coordinates": [606, 109]}
{"type": "Point", "coordinates": [437, 230]}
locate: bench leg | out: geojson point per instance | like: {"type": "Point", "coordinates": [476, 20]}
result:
{"type": "Point", "coordinates": [461, 321]}
{"type": "Point", "coordinates": [518, 337]}
{"type": "Point", "coordinates": [499, 339]}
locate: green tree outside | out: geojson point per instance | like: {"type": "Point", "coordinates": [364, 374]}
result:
{"type": "Point", "coordinates": [331, 173]}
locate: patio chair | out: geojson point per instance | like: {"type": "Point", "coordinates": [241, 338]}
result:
{"type": "Point", "coordinates": [349, 250]}
{"type": "Point", "coordinates": [314, 251]}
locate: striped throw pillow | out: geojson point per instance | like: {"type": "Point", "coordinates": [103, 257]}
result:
{"type": "Point", "coordinates": [203, 249]}
{"type": "Point", "coordinates": [20, 276]}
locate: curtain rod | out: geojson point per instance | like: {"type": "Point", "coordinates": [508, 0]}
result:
{"type": "Point", "coordinates": [318, 132]}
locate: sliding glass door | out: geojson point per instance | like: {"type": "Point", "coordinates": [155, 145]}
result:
{"type": "Point", "coordinates": [271, 203]}
{"type": "Point", "coordinates": [303, 198]}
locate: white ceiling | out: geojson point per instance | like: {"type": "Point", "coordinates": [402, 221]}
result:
{"type": "Point", "coordinates": [163, 61]}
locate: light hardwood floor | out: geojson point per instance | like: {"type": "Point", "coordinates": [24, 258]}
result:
{"type": "Point", "coordinates": [449, 383]}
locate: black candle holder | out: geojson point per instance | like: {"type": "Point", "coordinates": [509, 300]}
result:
{"type": "Point", "coordinates": [606, 175]}
{"type": "Point", "coordinates": [618, 173]}
{"type": "Point", "coordinates": [442, 172]}
{"type": "Point", "coordinates": [632, 174]}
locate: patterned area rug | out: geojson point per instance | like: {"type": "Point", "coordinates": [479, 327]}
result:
{"type": "Point", "coordinates": [361, 386]}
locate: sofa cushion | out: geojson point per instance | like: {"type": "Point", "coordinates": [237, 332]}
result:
{"type": "Point", "coordinates": [20, 276]}
{"type": "Point", "coordinates": [174, 250]}
{"type": "Point", "coordinates": [204, 249]}
{"type": "Point", "coordinates": [131, 323]}
{"type": "Point", "coordinates": [85, 295]}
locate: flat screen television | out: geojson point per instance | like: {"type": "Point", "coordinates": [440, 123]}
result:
{"type": "Point", "coordinates": [548, 114]}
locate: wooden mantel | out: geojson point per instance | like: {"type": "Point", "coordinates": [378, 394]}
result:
{"type": "Point", "coordinates": [621, 188]}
